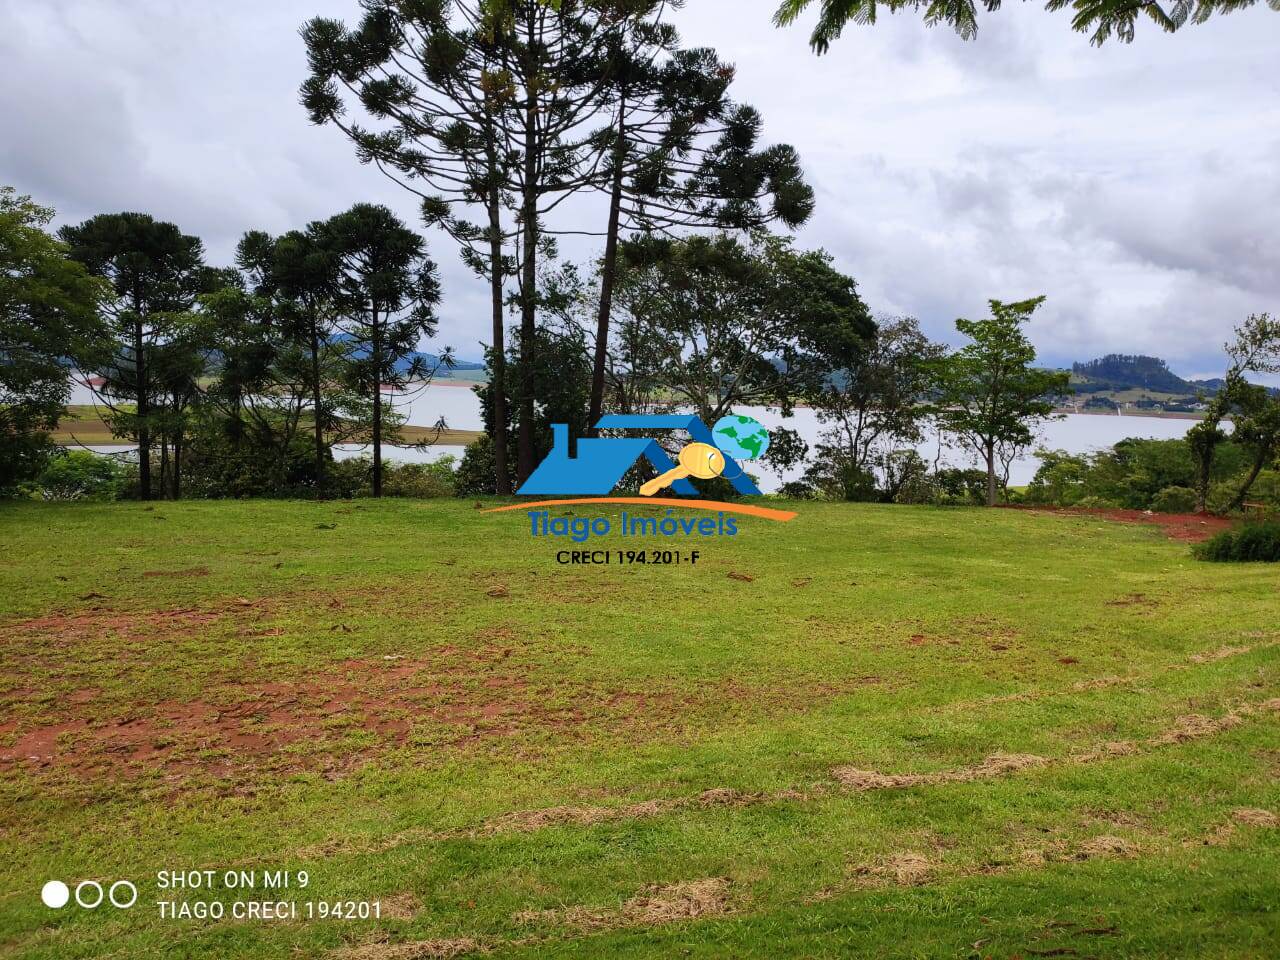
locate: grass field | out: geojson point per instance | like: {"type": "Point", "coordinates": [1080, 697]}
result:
{"type": "Point", "coordinates": [871, 732]}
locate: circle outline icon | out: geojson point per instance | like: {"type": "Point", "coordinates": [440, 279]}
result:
{"type": "Point", "coordinates": [111, 894]}
{"type": "Point", "coordinates": [90, 883]}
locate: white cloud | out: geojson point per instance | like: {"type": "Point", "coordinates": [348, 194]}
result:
{"type": "Point", "coordinates": [1134, 185]}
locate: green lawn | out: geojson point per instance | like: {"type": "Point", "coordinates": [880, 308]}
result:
{"type": "Point", "coordinates": [872, 732]}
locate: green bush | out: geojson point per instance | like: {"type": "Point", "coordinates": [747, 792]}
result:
{"type": "Point", "coordinates": [421, 480]}
{"type": "Point", "coordinates": [222, 459]}
{"type": "Point", "coordinates": [1095, 503]}
{"type": "Point", "coordinates": [1059, 480]}
{"type": "Point", "coordinates": [22, 457]}
{"type": "Point", "coordinates": [796, 490]}
{"type": "Point", "coordinates": [80, 475]}
{"type": "Point", "coordinates": [1174, 500]}
{"type": "Point", "coordinates": [351, 478]}
{"type": "Point", "coordinates": [835, 478]}
{"type": "Point", "coordinates": [477, 474]}
{"type": "Point", "coordinates": [957, 487]}
{"type": "Point", "coordinates": [716, 488]}
{"type": "Point", "coordinates": [1265, 490]}
{"type": "Point", "coordinates": [1250, 543]}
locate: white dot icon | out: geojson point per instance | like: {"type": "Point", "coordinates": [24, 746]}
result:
{"type": "Point", "coordinates": [55, 894]}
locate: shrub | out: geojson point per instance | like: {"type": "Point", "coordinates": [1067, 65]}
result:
{"type": "Point", "coordinates": [1059, 480]}
{"type": "Point", "coordinates": [22, 457]}
{"type": "Point", "coordinates": [796, 490]}
{"type": "Point", "coordinates": [1174, 500]}
{"type": "Point", "coordinates": [961, 487]}
{"type": "Point", "coordinates": [80, 475]}
{"type": "Point", "coordinates": [351, 478]}
{"type": "Point", "coordinates": [835, 478]}
{"type": "Point", "coordinates": [923, 490]}
{"type": "Point", "coordinates": [1096, 503]}
{"type": "Point", "coordinates": [906, 476]}
{"type": "Point", "coordinates": [477, 473]}
{"type": "Point", "coordinates": [225, 460]}
{"type": "Point", "coordinates": [421, 480]}
{"type": "Point", "coordinates": [1250, 543]}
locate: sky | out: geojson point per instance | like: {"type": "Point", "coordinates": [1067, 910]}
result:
{"type": "Point", "coordinates": [1136, 186]}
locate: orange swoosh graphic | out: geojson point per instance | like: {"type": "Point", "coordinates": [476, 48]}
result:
{"type": "Point", "coordinates": [767, 513]}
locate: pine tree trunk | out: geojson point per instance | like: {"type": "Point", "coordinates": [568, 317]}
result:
{"type": "Point", "coordinates": [315, 403]}
{"type": "Point", "coordinates": [177, 467]}
{"type": "Point", "coordinates": [528, 292]}
{"type": "Point", "coordinates": [608, 274]}
{"type": "Point", "coordinates": [376, 358]}
{"type": "Point", "coordinates": [143, 409]}
{"type": "Point", "coordinates": [164, 466]}
{"type": "Point", "coordinates": [498, 382]}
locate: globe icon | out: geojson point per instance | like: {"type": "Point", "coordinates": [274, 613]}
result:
{"type": "Point", "coordinates": [741, 437]}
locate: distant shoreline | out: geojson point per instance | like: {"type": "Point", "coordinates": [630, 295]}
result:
{"type": "Point", "coordinates": [1131, 412]}
{"type": "Point", "coordinates": [1153, 414]}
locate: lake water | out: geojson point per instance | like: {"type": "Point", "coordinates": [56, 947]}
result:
{"type": "Point", "coordinates": [1075, 433]}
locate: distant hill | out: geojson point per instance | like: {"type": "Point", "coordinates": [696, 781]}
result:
{"type": "Point", "coordinates": [1118, 371]}
{"type": "Point", "coordinates": [429, 359]}
{"type": "Point", "coordinates": [1142, 381]}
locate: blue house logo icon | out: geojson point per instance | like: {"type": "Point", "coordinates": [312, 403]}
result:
{"type": "Point", "coordinates": [601, 462]}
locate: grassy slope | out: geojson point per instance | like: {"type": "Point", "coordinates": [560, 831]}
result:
{"type": "Point", "coordinates": [895, 640]}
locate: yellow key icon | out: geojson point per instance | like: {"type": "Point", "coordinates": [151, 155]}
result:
{"type": "Point", "coordinates": [700, 460]}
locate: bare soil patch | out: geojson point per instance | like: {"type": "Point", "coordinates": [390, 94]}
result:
{"type": "Point", "coordinates": [331, 719]}
{"type": "Point", "coordinates": [1190, 527]}
{"type": "Point", "coordinates": [1256, 818]}
{"type": "Point", "coordinates": [995, 765]}
{"type": "Point", "coordinates": [417, 950]}
{"type": "Point", "coordinates": [655, 906]}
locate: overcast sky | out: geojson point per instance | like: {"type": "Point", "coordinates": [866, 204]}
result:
{"type": "Point", "coordinates": [1138, 186]}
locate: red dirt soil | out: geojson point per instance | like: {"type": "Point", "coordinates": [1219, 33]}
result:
{"type": "Point", "coordinates": [1189, 527]}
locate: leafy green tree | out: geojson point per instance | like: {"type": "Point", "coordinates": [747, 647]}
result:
{"type": "Point", "coordinates": [988, 394]}
{"type": "Point", "coordinates": [731, 324]}
{"type": "Point", "coordinates": [879, 401]}
{"type": "Point", "coordinates": [287, 312]}
{"type": "Point", "coordinates": [437, 84]}
{"type": "Point", "coordinates": [1060, 480]}
{"type": "Point", "coordinates": [1257, 429]}
{"type": "Point", "coordinates": [478, 102]}
{"type": "Point", "coordinates": [258, 399]}
{"type": "Point", "coordinates": [156, 272]}
{"type": "Point", "coordinates": [177, 370]}
{"type": "Point", "coordinates": [1102, 19]}
{"type": "Point", "coordinates": [1256, 348]}
{"type": "Point", "coordinates": [387, 291]}
{"type": "Point", "coordinates": [48, 319]}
